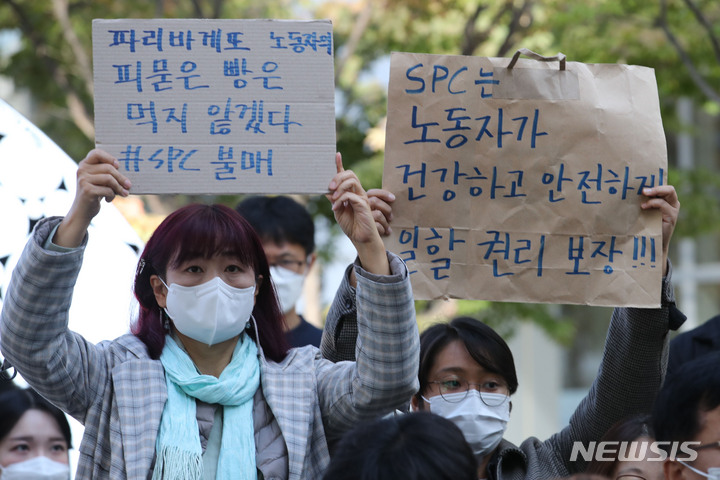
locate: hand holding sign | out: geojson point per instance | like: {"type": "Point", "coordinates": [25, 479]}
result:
{"type": "Point", "coordinates": [216, 106]}
{"type": "Point", "coordinates": [98, 177]}
{"type": "Point", "coordinates": [381, 205]}
{"type": "Point", "coordinates": [665, 199]}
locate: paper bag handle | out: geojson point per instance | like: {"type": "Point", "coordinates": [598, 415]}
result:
{"type": "Point", "coordinates": [560, 57]}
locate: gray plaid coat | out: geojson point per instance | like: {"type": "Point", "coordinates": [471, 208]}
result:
{"type": "Point", "coordinates": [119, 393]}
{"type": "Point", "coordinates": [630, 375]}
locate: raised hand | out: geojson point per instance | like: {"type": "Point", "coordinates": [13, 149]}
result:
{"type": "Point", "coordinates": [665, 199]}
{"type": "Point", "coordinates": [98, 177]}
{"type": "Point", "coordinates": [351, 207]}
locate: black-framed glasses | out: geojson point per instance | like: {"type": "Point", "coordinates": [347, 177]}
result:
{"type": "Point", "coordinates": [708, 445]}
{"type": "Point", "coordinates": [288, 263]}
{"type": "Point", "coordinates": [454, 389]}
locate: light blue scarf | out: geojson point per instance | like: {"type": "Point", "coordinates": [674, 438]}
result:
{"type": "Point", "coordinates": [178, 449]}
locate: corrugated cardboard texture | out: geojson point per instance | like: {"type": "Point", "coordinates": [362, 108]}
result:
{"type": "Point", "coordinates": [217, 106]}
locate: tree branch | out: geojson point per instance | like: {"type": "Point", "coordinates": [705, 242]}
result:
{"type": "Point", "coordinates": [361, 24]}
{"type": "Point", "coordinates": [198, 9]}
{"type": "Point", "coordinates": [217, 8]}
{"type": "Point", "coordinates": [700, 82]}
{"type": "Point", "coordinates": [514, 28]}
{"type": "Point", "coordinates": [84, 70]}
{"type": "Point", "coordinates": [706, 25]}
{"type": "Point", "coordinates": [473, 38]}
{"type": "Point", "coordinates": [78, 111]}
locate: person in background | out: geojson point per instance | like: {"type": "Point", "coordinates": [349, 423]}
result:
{"type": "Point", "coordinates": [415, 446]}
{"type": "Point", "coordinates": [287, 232]}
{"type": "Point", "coordinates": [467, 374]}
{"type": "Point", "coordinates": [632, 436]}
{"type": "Point", "coordinates": [687, 409]}
{"type": "Point", "coordinates": [34, 437]}
{"type": "Point", "coordinates": [694, 343]}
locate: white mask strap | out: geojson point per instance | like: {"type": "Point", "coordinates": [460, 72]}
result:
{"type": "Point", "coordinates": [695, 469]}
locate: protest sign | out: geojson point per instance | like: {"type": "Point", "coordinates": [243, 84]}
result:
{"type": "Point", "coordinates": [523, 181]}
{"type": "Point", "coordinates": [217, 106]}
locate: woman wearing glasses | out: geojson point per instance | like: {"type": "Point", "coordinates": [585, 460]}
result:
{"type": "Point", "coordinates": [467, 374]}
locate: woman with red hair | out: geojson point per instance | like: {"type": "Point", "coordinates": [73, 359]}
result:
{"type": "Point", "coordinates": [205, 387]}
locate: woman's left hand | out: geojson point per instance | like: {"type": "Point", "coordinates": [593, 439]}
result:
{"type": "Point", "coordinates": [352, 211]}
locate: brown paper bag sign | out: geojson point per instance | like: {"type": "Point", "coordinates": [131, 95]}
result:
{"type": "Point", "coordinates": [520, 179]}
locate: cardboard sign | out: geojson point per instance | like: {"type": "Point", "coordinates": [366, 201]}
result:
{"type": "Point", "coordinates": [217, 106]}
{"type": "Point", "coordinates": [524, 184]}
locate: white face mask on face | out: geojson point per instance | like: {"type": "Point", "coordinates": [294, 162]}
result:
{"type": "Point", "coordinates": [482, 426]}
{"type": "Point", "coordinates": [713, 473]}
{"type": "Point", "coordinates": [288, 286]}
{"type": "Point", "coordinates": [211, 312]}
{"type": "Point", "coordinates": [37, 468]}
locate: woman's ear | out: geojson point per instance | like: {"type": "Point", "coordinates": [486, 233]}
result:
{"type": "Point", "coordinates": [258, 283]}
{"type": "Point", "coordinates": [159, 290]}
{"type": "Point", "coordinates": [310, 261]}
{"type": "Point", "coordinates": [673, 470]}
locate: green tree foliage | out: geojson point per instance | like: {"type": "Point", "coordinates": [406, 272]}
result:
{"type": "Point", "coordinates": [55, 61]}
{"type": "Point", "coordinates": [679, 38]}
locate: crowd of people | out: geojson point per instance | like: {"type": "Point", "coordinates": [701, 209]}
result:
{"type": "Point", "coordinates": [222, 378]}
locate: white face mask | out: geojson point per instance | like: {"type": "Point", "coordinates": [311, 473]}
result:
{"type": "Point", "coordinates": [288, 286]}
{"type": "Point", "coordinates": [482, 426]}
{"type": "Point", "coordinates": [211, 312]}
{"type": "Point", "coordinates": [713, 473]}
{"type": "Point", "coordinates": [37, 468]}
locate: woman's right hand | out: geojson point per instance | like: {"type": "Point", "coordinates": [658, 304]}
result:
{"type": "Point", "coordinates": [98, 177]}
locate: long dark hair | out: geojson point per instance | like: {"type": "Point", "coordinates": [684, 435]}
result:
{"type": "Point", "coordinates": [203, 231]}
{"type": "Point", "coordinates": [14, 402]}
{"type": "Point", "coordinates": [686, 395]}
